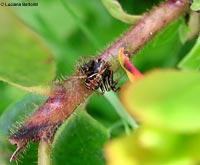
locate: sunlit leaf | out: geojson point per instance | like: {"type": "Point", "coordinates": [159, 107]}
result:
{"type": "Point", "coordinates": [166, 99]}
{"type": "Point", "coordinates": [154, 147]}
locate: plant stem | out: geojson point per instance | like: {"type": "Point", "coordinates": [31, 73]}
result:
{"type": "Point", "coordinates": [115, 125]}
{"type": "Point", "coordinates": [152, 22]}
{"type": "Point", "coordinates": [44, 153]}
{"type": "Point", "coordinates": [113, 99]}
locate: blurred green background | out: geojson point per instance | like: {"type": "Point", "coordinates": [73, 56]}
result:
{"type": "Point", "coordinates": [70, 29]}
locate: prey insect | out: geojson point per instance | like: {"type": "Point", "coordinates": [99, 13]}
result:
{"type": "Point", "coordinates": [98, 74]}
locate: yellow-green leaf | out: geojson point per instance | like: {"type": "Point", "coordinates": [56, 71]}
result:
{"type": "Point", "coordinates": [150, 146]}
{"type": "Point", "coordinates": [167, 99]}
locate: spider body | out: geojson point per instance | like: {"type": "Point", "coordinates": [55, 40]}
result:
{"type": "Point", "coordinates": [98, 75]}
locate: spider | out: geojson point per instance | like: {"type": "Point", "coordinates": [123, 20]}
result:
{"type": "Point", "coordinates": [98, 75]}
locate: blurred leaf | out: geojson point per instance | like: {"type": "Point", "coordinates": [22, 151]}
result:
{"type": "Point", "coordinates": [81, 24]}
{"type": "Point", "coordinates": [154, 147]}
{"type": "Point", "coordinates": [23, 62]}
{"type": "Point", "coordinates": [63, 34]}
{"type": "Point", "coordinates": [79, 141]}
{"type": "Point", "coordinates": [13, 117]}
{"type": "Point", "coordinates": [166, 99]}
{"type": "Point", "coordinates": [192, 59]}
{"type": "Point", "coordinates": [117, 12]}
{"type": "Point", "coordinates": [195, 5]}
{"type": "Point", "coordinates": [162, 50]}
{"type": "Point", "coordinates": [8, 95]}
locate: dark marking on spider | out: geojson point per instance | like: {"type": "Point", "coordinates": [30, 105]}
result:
{"type": "Point", "coordinates": [98, 75]}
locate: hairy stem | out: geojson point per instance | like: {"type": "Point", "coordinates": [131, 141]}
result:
{"type": "Point", "coordinates": [152, 22]}
{"type": "Point", "coordinates": [69, 94]}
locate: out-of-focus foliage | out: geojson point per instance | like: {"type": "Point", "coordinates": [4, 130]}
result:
{"type": "Point", "coordinates": [154, 146]}
{"type": "Point", "coordinates": [70, 29]}
{"type": "Point", "coordinates": [23, 62]}
{"type": "Point", "coordinates": [80, 146]}
{"type": "Point", "coordinates": [166, 105]}
{"type": "Point", "coordinates": [61, 29]}
{"type": "Point", "coordinates": [165, 99]}
{"type": "Point", "coordinates": [192, 59]}
{"type": "Point", "coordinates": [116, 11]}
{"type": "Point", "coordinates": [195, 5]}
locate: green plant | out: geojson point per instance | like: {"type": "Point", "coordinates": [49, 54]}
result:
{"type": "Point", "coordinates": [164, 103]}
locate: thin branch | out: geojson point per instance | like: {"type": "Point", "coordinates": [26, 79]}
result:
{"type": "Point", "coordinates": [113, 99]}
{"type": "Point", "coordinates": [44, 153]}
{"type": "Point", "coordinates": [69, 94]}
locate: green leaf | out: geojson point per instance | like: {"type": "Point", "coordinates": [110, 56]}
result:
{"type": "Point", "coordinates": [12, 118]}
{"type": "Point", "coordinates": [166, 99]}
{"type": "Point", "coordinates": [192, 59]}
{"type": "Point", "coordinates": [80, 140]}
{"type": "Point", "coordinates": [23, 61]}
{"type": "Point", "coordinates": [162, 50]}
{"type": "Point", "coordinates": [8, 95]}
{"type": "Point", "coordinates": [116, 11]}
{"type": "Point", "coordinates": [195, 5]}
{"type": "Point", "coordinates": [154, 147]}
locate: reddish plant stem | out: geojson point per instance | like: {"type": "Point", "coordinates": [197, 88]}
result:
{"type": "Point", "coordinates": [152, 22]}
{"type": "Point", "coordinates": [67, 95]}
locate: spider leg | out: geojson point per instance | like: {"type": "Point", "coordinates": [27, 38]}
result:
{"type": "Point", "coordinates": [80, 64]}
{"type": "Point", "coordinates": [78, 77]}
{"type": "Point", "coordinates": [85, 59]}
{"type": "Point", "coordinates": [111, 82]}
{"type": "Point", "coordinates": [106, 83]}
{"type": "Point", "coordinates": [119, 78]}
{"type": "Point", "coordinates": [102, 87]}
